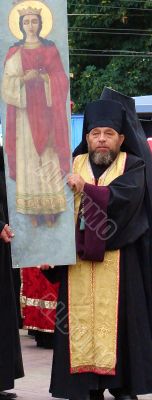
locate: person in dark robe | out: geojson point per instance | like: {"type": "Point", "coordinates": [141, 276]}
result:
{"type": "Point", "coordinates": [11, 366]}
{"type": "Point", "coordinates": [103, 336]}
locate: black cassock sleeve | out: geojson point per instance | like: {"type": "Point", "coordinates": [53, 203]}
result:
{"type": "Point", "coordinates": [3, 202]}
{"type": "Point", "coordinates": [2, 224]}
{"type": "Point", "coordinates": [127, 206]}
{"type": "Point", "coordinates": [126, 214]}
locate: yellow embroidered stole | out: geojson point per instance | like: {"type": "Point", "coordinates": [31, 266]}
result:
{"type": "Point", "coordinates": [93, 294]}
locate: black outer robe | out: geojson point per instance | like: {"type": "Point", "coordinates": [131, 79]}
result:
{"type": "Point", "coordinates": [11, 366]}
{"type": "Point", "coordinates": [134, 344]}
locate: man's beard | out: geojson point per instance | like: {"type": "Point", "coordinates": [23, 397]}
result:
{"type": "Point", "coordinates": [103, 158]}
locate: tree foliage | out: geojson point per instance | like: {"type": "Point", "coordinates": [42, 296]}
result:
{"type": "Point", "coordinates": [110, 44]}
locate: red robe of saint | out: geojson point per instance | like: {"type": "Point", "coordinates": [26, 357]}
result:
{"type": "Point", "coordinates": [46, 60]}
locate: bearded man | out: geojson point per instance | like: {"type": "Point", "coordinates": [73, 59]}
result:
{"type": "Point", "coordinates": [104, 313]}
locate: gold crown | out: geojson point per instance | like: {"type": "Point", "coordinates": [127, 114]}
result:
{"type": "Point", "coordinates": [29, 11]}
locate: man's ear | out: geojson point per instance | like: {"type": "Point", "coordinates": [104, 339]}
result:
{"type": "Point", "coordinates": [122, 138]}
{"type": "Point", "coordinates": [87, 137]}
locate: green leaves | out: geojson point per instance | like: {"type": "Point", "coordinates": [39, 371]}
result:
{"type": "Point", "coordinates": [110, 44]}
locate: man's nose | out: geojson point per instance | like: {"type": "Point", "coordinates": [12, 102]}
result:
{"type": "Point", "coordinates": [101, 137]}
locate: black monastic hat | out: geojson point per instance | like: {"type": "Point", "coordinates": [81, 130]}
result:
{"type": "Point", "coordinates": [104, 113]}
{"type": "Point", "coordinates": [135, 140]}
{"type": "Point", "coordinates": [101, 113]}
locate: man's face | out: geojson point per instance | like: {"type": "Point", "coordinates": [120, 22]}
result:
{"type": "Point", "coordinates": [104, 144]}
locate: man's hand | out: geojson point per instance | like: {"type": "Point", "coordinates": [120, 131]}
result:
{"type": "Point", "coordinates": [45, 267]}
{"type": "Point", "coordinates": [6, 234]}
{"type": "Point", "coordinates": [76, 183]}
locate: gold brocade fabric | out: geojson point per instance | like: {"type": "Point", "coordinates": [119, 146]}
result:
{"type": "Point", "coordinates": [47, 304]}
{"type": "Point", "coordinates": [93, 294]}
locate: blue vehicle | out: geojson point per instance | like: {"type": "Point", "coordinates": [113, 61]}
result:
{"type": "Point", "coordinates": [144, 111]}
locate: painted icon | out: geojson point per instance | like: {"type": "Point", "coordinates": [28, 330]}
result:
{"type": "Point", "coordinates": [35, 88]}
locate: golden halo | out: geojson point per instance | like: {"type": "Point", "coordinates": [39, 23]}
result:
{"type": "Point", "coordinates": [46, 15]}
